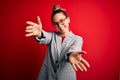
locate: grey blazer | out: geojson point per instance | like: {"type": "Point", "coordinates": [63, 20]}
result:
{"type": "Point", "coordinates": [56, 65]}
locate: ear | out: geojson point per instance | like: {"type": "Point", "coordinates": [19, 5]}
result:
{"type": "Point", "coordinates": [68, 19]}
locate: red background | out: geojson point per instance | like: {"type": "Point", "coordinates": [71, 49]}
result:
{"type": "Point", "coordinates": [96, 21]}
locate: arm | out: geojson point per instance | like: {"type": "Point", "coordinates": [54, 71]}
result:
{"type": "Point", "coordinates": [74, 55]}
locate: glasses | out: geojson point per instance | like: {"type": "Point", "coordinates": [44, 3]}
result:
{"type": "Point", "coordinates": [57, 23]}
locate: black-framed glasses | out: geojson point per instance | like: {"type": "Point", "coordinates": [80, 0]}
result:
{"type": "Point", "coordinates": [61, 21]}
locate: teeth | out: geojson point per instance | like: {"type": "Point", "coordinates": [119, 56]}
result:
{"type": "Point", "coordinates": [62, 28]}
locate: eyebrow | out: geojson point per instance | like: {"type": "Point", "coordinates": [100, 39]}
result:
{"type": "Point", "coordinates": [59, 20]}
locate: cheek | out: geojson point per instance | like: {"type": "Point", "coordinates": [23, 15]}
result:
{"type": "Point", "coordinates": [66, 25]}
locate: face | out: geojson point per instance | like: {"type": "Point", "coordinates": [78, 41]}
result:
{"type": "Point", "coordinates": [61, 23]}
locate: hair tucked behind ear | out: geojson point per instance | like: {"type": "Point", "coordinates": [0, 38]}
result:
{"type": "Point", "coordinates": [57, 9]}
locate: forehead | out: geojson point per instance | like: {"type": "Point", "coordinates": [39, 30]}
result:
{"type": "Point", "coordinates": [58, 16]}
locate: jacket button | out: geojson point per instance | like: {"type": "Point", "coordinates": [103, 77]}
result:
{"type": "Point", "coordinates": [57, 65]}
{"type": "Point", "coordinates": [56, 61]}
{"type": "Point", "coordinates": [55, 71]}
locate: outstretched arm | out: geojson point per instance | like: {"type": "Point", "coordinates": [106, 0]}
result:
{"type": "Point", "coordinates": [78, 62]}
{"type": "Point", "coordinates": [34, 29]}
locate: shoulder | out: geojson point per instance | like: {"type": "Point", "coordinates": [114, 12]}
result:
{"type": "Point", "coordinates": [77, 37]}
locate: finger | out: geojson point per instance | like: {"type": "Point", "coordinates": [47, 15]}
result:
{"type": "Point", "coordinates": [85, 62]}
{"type": "Point", "coordinates": [83, 66]}
{"type": "Point", "coordinates": [38, 19]}
{"type": "Point", "coordinates": [74, 67]}
{"type": "Point", "coordinates": [82, 52]}
{"type": "Point", "coordinates": [29, 27]}
{"type": "Point", "coordinates": [28, 30]}
{"type": "Point", "coordinates": [79, 67]}
{"type": "Point", "coordinates": [28, 35]}
{"type": "Point", "coordinates": [31, 23]}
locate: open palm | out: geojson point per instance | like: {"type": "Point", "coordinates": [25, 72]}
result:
{"type": "Point", "coordinates": [34, 29]}
{"type": "Point", "coordinates": [78, 62]}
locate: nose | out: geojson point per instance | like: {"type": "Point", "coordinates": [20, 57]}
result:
{"type": "Point", "coordinates": [60, 25]}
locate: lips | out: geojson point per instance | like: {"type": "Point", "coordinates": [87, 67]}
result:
{"type": "Point", "coordinates": [62, 28]}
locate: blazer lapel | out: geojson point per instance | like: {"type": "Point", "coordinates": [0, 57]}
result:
{"type": "Point", "coordinates": [66, 41]}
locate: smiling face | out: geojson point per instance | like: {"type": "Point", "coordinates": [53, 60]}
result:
{"type": "Point", "coordinates": [61, 23]}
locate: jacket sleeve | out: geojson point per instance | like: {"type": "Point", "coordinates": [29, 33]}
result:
{"type": "Point", "coordinates": [75, 47]}
{"type": "Point", "coordinates": [45, 38]}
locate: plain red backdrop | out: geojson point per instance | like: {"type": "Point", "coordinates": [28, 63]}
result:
{"type": "Point", "coordinates": [97, 21]}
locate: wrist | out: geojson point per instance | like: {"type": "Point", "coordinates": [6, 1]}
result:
{"type": "Point", "coordinates": [68, 56]}
{"type": "Point", "coordinates": [39, 35]}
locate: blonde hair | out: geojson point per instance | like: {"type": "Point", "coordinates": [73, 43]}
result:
{"type": "Point", "coordinates": [57, 7]}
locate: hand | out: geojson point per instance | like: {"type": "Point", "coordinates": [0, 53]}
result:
{"type": "Point", "coordinates": [34, 29]}
{"type": "Point", "coordinates": [78, 62]}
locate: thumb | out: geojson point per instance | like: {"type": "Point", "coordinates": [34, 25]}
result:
{"type": "Point", "coordinates": [82, 52]}
{"type": "Point", "coordinates": [38, 19]}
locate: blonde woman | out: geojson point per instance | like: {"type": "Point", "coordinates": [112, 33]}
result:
{"type": "Point", "coordinates": [63, 57]}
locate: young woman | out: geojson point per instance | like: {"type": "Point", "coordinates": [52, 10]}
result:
{"type": "Point", "coordinates": [63, 56]}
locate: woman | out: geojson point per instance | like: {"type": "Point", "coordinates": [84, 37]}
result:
{"type": "Point", "coordinates": [63, 56]}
